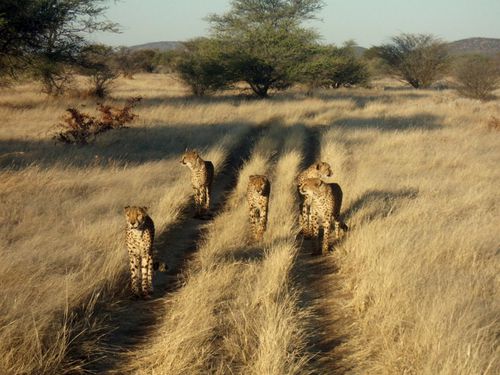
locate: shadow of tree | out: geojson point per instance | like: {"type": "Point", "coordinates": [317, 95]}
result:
{"type": "Point", "coordinates": [236, 99]}
{"type": "Point", "coordinates": [126, 146]}
{"type": "Point", "coordinates": [378, 203]}
{"type": "Point", "coordinates": [390, 123]}
{"type": "Point", "coordinates": [130, 322]}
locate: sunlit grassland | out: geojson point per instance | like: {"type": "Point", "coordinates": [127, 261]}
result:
{"type": "Point", "coordinates": [418, 271]}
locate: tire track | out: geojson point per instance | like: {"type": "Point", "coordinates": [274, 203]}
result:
{"type": "Point", "coordinates": [236, 313]}
{"type": "Point", "coordinates": [318, 279]}
{"type": "Point", "coordinates": [131, 322]}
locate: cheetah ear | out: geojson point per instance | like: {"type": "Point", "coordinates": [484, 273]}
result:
{"type": "Point", "coordinates": [318, 166]}
{"type": "Point", "coordinates": [126, 208]}
{"type": "Point", "coordinates": [145, 208]}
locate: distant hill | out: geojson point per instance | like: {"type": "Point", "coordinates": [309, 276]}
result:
{"type": "Point", "coordinates": [359, 51]}
{"type": "Point", "coordinates": [161, 46]}
{"type": "Point", "coordinates": [484, 46]}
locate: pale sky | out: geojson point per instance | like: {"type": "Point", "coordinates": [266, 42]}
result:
{"type": "Point", "coordinates": [367, 22]}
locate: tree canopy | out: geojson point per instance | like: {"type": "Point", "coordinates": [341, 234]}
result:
{"type": "Point", "coordinates": [264, 40]}
{"type": "Point", "coordinates": [36, 33]}
{"type": "Point", "coordinates": [418, 59]}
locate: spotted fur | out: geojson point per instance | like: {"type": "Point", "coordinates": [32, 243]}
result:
{"type": "Point", "coordinates": [320, 170]}
{"type": "Point", "coordinates": [202, 175]}
{"type": "Point", "coordinates": [326, 202]}
{"type": "Point", "coordinates": [258, 191]}
{"type": "Point", "coordinates": [139, 238]}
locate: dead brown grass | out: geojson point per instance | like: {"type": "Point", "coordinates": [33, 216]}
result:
{"type": "Point", "coordinates": [417, 274]}
{"type": "Point", "coordinates": [419, 270]}
{"type": "Point", "coordinates": [61, 227]}
{"type": "Point", "coordinates": [237, 311]}
{"type": "Point", "coordinates": [494, 123]}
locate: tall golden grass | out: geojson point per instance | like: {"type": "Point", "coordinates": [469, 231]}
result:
{"type": "Point", "coordinates": [416, 286]}
{"type": "Point", "coordinates": [62, 222]}
{"type": "Point", "coordinates": [420, 267]}
{"type": "Point", "coordinates": [237, 311]}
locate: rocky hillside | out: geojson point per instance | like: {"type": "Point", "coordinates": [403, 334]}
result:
{"type": "Point", "coordinates": [162, 46]}
{"type": "Point", "coordinates": [486, 46]}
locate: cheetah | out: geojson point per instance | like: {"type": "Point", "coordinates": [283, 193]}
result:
{"type": "Point", "coordinates": [258, 191]}
{"type": "Point", "coordinates": [325, 203]}
{"type": "Point", "coordinates": [139, 238]}
{"type": "Point", "coordinates": [320, 170]}
{"type": "Point", "coordinates": [202, 175]}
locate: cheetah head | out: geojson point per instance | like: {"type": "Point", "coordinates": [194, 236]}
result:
{"type": "Point", "coordinates": [323, 169]}
{"type": "Point", "coordinates": [190, 158]}
{"type": "Point", "coordinates": [135, 216]}
{"type": "Point", "coordinates": [310, 186]}
{"type": "Point", "coordinates": [260, 183]}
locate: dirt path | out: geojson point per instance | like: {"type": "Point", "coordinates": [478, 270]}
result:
{"type": "Point", "coordinates": [131, 322]}
{"type": "Point", "coordinates": [317, 277]}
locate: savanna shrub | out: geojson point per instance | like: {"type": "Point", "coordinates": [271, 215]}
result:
{"type": "Point", "coordinates": [477, 77]}
{"type": "Point", "coordinates": [81, 128]}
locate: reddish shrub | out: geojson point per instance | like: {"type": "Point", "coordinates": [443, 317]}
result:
{"type": "Point", "coordinates": [81, 128]}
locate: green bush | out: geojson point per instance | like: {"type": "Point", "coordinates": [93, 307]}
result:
{"type": "Point", "coordinates": [202, 67]}
{"type": "Point", "coordinates": [332, 67]}
{"type": "Point", "coordinates": [263, 41]}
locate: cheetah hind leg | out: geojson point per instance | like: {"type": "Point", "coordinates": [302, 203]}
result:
{"type": "Point", "coordinates": [260, 228]}
{"type": "Point", "coordinates": [207, 199]}
{"type": "Point", "coordinates": [306, 221]}
{"type": "Point", "coordinates": [197, 203]}
{"type": "Point", "coordinates": [315, 232]}
{"type": "Point", "coordinates": [254, 223]}
{"type": "Point", "coordinates": [309, 224]}
{"type": "Point", "coordinates": [326, 238]}
{"type": "Point", "coordinates": [204, 203]}
{"type": "Point", "coordinates": [262, 222]}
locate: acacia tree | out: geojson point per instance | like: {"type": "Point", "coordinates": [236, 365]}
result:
{"type": "Point", "coordinates": [45, 35]}
{"type": "Point", "coordinates": [202, 66]}
{"type": "Point", "coordinates": [333, 67]}
{"type": "Point", "coordinates": [264, 40]}
{"type": "Point", "coordinates": [418, 59]}
{"type": "Point", "coordinates": [97, 64]}
{"type": "Point", "coordinates": [128, 62]}
{"type": "Point", "coordinates": [478, 76]}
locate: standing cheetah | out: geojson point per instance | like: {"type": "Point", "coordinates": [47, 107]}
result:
{"type": "Point", "coordinates": [139, 237]}
{"type": "Point", "coordinates": [202, 175]}
{"type": "Point", "coordinates": [326, 201]}
{"type": "Point", "coordinates": [258, 191]}
{"type": "Point", "coordinates": [320, 170]}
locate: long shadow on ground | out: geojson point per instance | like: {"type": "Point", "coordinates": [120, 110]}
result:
{"type": "Point", "coordinates": [127, 146]}
{"type": "Point", "coordinates": [320, 281]}
{"type": "Point", "coordinates": [132, 322]}
{"type": "Point", "coordinates": [310, 273]}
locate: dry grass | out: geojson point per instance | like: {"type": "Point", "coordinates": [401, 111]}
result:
{"type": "Point", "coordinates": [417, 274]}
{"type": "Point", "coordinates": [61, 227]}
{"type": "Point", "coordinates": [494, 124]}
{"type": "Point", "coordinates": [237, 312]}
{"type": "Point", "coordinates": [420, 267]}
